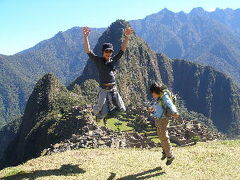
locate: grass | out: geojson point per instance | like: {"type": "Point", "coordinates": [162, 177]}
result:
{"type": "Point", "coordinates": [123, 126]}
{"type": "Point", "coordinates": [13, 172]}
{"type": "Point", "coordinates": [212, 160]}
{"type": "Point", "coordinates": [111, 124]}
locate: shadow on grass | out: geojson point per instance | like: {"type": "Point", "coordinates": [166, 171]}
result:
{"type": "Point", "coordinates": [143, 175]}
{"type": "Point", "coordinates": [64, 170]}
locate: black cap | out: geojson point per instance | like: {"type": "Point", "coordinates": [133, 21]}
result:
{"type": "Point", "coordinates": [107, 46]}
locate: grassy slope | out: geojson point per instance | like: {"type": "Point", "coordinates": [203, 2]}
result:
{"type": "Point", "coordinates": [213, 160]}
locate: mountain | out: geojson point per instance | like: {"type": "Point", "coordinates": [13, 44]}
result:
{"type": "Point", "coordinates": [208, 38]}
{"type": "Point", "coordinates": [62, 55]}
{"type": "Point", "coordinates": [203, 89]}
{"type": "Point", "coordinates": [14, 90]}
{"type": "Point", "coordinates": [43, 122]}
{"type": "Point", "coordinates": [228, 17]}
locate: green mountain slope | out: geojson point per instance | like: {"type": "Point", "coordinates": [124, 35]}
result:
{"type": "Point", "coordinates": [43, 122]}
{"type": "Point", "coordinates": [204, 90]}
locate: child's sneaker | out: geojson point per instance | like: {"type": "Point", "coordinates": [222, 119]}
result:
{"type": "Point", "coordinates": [164, 156]}
{"type": "Point", "coordinates": [170, 160]}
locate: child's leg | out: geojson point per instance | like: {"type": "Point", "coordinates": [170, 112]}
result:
{"type": "Point", "coordinates": [162, 132]}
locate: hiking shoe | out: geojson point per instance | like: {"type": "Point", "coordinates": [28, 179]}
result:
{"type": "Point", "coordinates": [170, 160]}
{"type": "Point", "coordinates": [164, 156]}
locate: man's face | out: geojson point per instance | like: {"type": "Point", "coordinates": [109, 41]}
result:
{"type": "Point", "coordinates": [107, 54]}
{"type": "Point", "coordinates": [155, 95]}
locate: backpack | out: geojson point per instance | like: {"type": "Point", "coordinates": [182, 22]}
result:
{"type": "Point", "coordinates": [173, 97]}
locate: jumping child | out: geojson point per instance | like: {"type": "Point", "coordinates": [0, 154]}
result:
{"type": "Point", "coordinates": [163, 110]}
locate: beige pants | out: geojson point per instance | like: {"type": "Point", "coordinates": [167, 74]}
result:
{"type": "Point", "coordinates": [162, 132]}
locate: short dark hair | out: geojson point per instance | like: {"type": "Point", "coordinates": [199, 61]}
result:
{"type": "Point", "coordinates": [157, 87]}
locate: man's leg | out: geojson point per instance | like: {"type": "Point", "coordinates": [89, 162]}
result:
{"type": "Point", "coordinates": [118, 105]}
{"type": "Point", "coordinates": [104, 111]}
{"type": "Point", "coordinates": [101, 101]}
{"type": "Point", "coordinates": [117, 101]}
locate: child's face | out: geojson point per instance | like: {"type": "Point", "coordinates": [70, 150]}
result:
{"type": "Point", "coordinates": [155, 95]}
{"type": "Point", "coordinates": [107, 54]}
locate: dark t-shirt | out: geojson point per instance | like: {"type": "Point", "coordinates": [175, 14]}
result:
{"type": "Point", "coordinates": [106, 68]}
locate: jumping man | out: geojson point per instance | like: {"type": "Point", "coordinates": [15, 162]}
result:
{"type": "Point", "coordinates": [106, 64]}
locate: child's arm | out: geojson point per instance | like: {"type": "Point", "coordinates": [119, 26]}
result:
{"type": "Point", "coordinates": [167, 100]}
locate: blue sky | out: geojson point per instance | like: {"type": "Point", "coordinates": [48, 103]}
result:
{"type": "Point", "coordinates": [23, 23]}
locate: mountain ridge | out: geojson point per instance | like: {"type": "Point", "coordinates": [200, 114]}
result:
{"type": "Point", "coordinates": [204, 37]}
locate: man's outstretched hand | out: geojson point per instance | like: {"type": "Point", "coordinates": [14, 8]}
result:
{"type": "Point", "coordinates": [86, 31]}
{"type": "Point", "coordinates": [128, 31]}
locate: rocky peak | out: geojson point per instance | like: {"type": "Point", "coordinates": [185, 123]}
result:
{"type": "Point", "coordinates": [39, 102]}
{"type": "Point", "coordinates": [43, 93]}
{"type": "Point", "coordinates": [198, 11]}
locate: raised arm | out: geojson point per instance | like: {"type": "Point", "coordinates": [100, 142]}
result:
{"type": "Point", "coordinates": [127, 32]}
{"type": "Point", "coordinates": [86, 32]}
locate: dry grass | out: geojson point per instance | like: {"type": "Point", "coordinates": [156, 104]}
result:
{"type": "Point", "coordinates": [213, 160]}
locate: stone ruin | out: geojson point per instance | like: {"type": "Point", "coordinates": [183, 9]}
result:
{"type": "Point", "coordinates": [94, 136]}
{"type": "Point", "coordinates": [181, 132]}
